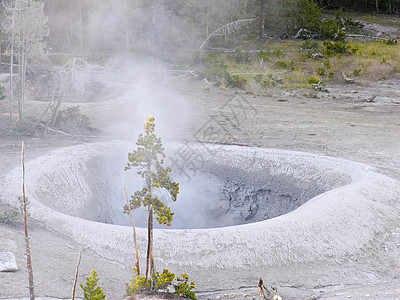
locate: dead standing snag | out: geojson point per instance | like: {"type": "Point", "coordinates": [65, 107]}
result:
{"type": "Point", "coordinates": [27, 248]}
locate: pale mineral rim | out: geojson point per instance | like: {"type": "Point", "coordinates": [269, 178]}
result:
{"type": "Point", "coordinates": [331, 225]}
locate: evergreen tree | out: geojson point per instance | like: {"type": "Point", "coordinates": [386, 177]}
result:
{"type": "Point", "coordinates": [148, 158]}
{"type": "Point", "coordinates": [91, 291]}
{"type": "Point", "coordinates": [309, 16]}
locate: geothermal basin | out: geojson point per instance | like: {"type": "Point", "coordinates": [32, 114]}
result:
{"type": "Point", "coordinates": [244, 207]}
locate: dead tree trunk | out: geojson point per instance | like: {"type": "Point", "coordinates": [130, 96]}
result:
{"type": "Point", "coordinates": [262, 18]}
{"type": "Point", "coordinates": [27, 248]}
{"type": "Point", "coordinates": [19, 83]}
{"type": "Point", "coordinates": [76, 276]}
{"type": "Point", "coordinates": [134, 231]}
{"type": "Point", "coordinates": [11, 72]}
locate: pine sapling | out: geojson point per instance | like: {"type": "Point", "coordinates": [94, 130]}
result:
{"type": "Point", "coordinates": [91, 290]}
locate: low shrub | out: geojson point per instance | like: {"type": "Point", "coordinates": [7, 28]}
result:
{"type": "Point", "coordinates": [314, 80]}
{"type": "Point", "coordinates": [2, 96]}
{"type": "Point", "coordinates": [321, 71]}
{"type": "Point", "coordinates": [357, 72]}
{"type": "Point", "coordinates": [327, 64]}
{"type": "Point", "coordinates": [183, 288]}
{"type": "Point", "coordinates": [239, 56]}
{"type": "Point", "coordinates": [263, 55]}
{"type": "Point", "coordinates": [352, 26]}
{"type": "Point", "coordinates": [338, 48]}
{"type": "Point", "coordinates": [258, 78]}
{"type": "Point", "coordinates": [278, 53]}
{"type": "Point", "coordinates": [214, 69]}
{"type": "Point", "coordinates": [329, 29]}
{"type": "Point", "coordinates": [10, 218]}
{"type": "Point", "coordinates": [308, 45]}
{"type": "Point", "coordinates": [162, 281]}
{"type": "Point", "coordinates": [237, 81]}
{"type": "Point", "coordinates": [281, 64]}
{"type": "Point", "coordinates": [71, 120]}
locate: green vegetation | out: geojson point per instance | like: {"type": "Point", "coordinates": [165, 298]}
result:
{"type": "Point", "coordinates": [237, 81]}
{"type": "Point", "coordinates": [91, 290]}
{"type": "Point", "coordinates": [338, 48]}
{"type": "Point", "coordinates": [148, 159]}
{"type": "Point", "coordinates": [10, 218]}
{"type": "Point", "coordinates": [2, 96]}
{"type": "Point", "coordinates": [327, 52]}
{"type": "Point", "coordinates": [162, 281]}
{"type": "Point", "coordinates": [300, 60]}
{"type": "Point", "coordinates": [214, 69]}
{"type": "Point", "coordinates": [308, 17]}
{"type": "Point", "coordinates": [313, 80]}
{"type": "Point", "coordinates": [183, 288]}
{"type": "Point", "coordinates": [71, 120]}
{"type": "Point", "coordinates": [281, 64]}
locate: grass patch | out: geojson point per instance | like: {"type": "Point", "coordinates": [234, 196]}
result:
{"type": "Point", "coordinates": [289, 64]}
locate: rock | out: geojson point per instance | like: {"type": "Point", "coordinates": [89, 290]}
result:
{"type": "Point", "coordinates": [8, 262]}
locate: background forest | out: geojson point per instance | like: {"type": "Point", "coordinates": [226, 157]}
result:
{"type": "Point", "coordinates": [115, 26]}
{"type": "Point", "coordinates": [288, 43]}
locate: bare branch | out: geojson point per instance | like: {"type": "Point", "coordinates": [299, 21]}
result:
{"type": "Point", "coordinates": [229, 28]}
{"type": "Point", "coordinates": [76, 275]}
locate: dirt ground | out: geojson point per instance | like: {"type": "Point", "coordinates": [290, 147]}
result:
{"type": "Point", "coordinates": [341, 123]}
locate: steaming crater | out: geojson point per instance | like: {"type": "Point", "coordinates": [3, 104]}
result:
{"type": "Point", "coordinates": [236, 186]}
{"type": "Point", "coordinates": [351, 205]}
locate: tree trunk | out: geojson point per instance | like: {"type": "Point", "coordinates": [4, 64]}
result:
{"type": "Point", "coordinates": [76, 276]}
{"type": "Point", "coordinates": [150, 228]}
{"type": "Point", "coordinates": [127, 37]}
{"type": "Point", "coordinates": [152, 268]}
{"type": "Point", "coordinates": [11, 73]}
{"type": "Point", "coordinates": [27, 248]}
{"type": "Point", "coordinates": [83, 18]}
{"type": "Point", "coordinates": [19, 56]}
{"type": "Point", "coordinates": [25, 60]}
{"type": "Point", "coordinates": [149, 243]}
{"type": "Point", "coordinates": [81, 25]}
{"type": "Point", "coordinates": [377, 6]}
{"type": "Point", "coordinates": [262, 18]}
{"type": "Point", "coordinates": [56, 110]}
{"type": "Point", "coordinates": [134, 231]}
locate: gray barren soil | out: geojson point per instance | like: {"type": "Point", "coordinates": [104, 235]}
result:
{"type": "Point", "coordinates": [340, 124]}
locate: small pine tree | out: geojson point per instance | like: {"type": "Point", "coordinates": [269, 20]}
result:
{"type": "Point", "coordinates": [309, 16]}
{"type": "Point", "coordinates": [91, 291]}
{"type": "Point", "coordinates": [148, 158]}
